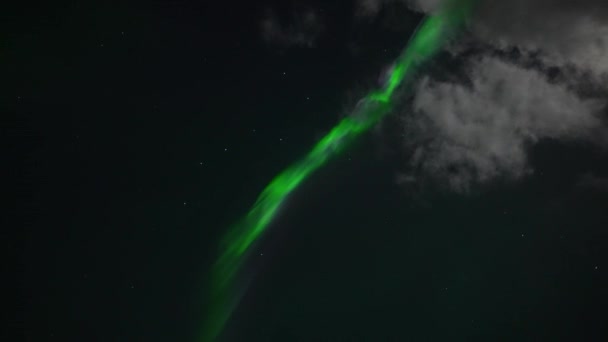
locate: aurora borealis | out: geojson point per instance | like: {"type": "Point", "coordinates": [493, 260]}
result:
{"type": "Point", "coordinates": [240, 239]}
{"type": "Point", "coordinates": [305, 170]}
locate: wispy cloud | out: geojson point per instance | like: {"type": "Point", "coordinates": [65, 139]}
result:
{"type": "Point", "coordinates": [301, 30]}
{"type": "Point", "coordinates": [591, 181]}
{"type": "Point", "coordinates": [370, 8]}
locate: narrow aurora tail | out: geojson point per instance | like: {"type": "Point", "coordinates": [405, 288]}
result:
{"type": "Point", "coordinates": [240, 238]}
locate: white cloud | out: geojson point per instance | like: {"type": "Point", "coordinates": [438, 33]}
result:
{"type": "Point", "coordinates": [479, 128]}
{"type": "Point", "coordinates": [468, 134]}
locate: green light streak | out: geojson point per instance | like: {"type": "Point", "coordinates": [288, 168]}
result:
{"type": "Point", "coordinates": [238, 242]}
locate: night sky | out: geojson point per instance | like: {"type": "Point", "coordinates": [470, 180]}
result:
{"type": "Point", "coordinates": [137, 132]}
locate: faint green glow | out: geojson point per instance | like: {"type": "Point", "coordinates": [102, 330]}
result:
{"type": "Point", "coordinates": [237, 243]}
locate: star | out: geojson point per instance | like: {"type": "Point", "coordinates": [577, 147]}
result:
{"type": "Point", "coordinates": [225, 150]}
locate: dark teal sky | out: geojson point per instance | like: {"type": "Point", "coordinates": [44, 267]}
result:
{"type": "Point", "coordinates": [137, 132]}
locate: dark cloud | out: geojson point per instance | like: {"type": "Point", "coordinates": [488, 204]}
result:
{"type": "Point", "coordinates": [565, 32]}
{"type": "Point", "coordinates": [371, 8]}
{"type": "Point", "coordinates": [302, 30]}
{"type": "Point", "coordinates": [590, 181]}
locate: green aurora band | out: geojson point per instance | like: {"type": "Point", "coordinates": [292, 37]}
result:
{"type": "Point", "coordinates": [428, 39]}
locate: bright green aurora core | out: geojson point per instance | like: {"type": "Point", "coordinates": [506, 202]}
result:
{"type": "Point", "coordinates": [428, 39]}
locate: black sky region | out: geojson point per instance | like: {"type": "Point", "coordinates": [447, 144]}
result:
{"type": "Point", "coordinates": [136, 132]}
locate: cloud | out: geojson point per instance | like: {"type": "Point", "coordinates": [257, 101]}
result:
{"type": "Point", "coordinates": [477, 128]}
{"type": "Point", "coordinates": [565, 32]}
{"type": "Point", "coordinates": [534, 69]}
{"type": "Point", "coordinates": [302, 31]}
{"type": "Point", "coordinates": [474, 132]}
{"type": "Point", "coordinates": [590, 181]}
{"type": "Point", "coordinates": [426, 6]}
{"type": "Point", "coordinates": [371, 8]}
